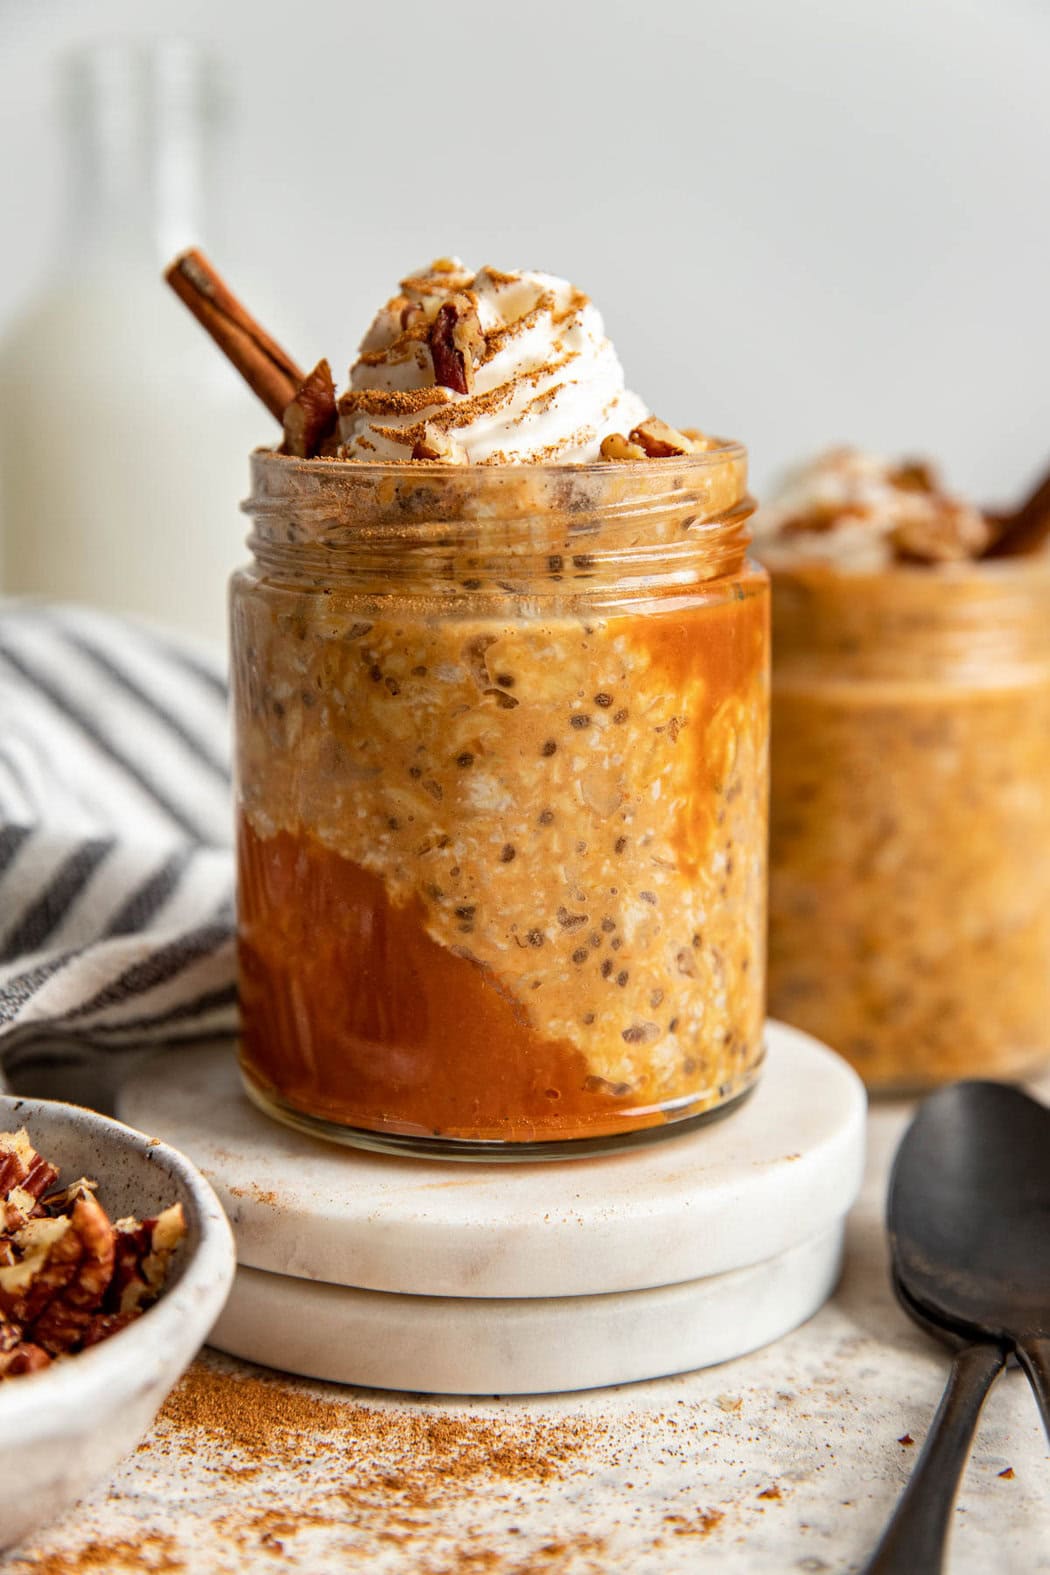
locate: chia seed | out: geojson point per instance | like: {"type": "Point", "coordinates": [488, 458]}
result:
{"type": "Point", "coordinates": [507, 853]}
{"type": "Point", "coordinates": [640, 1033]}
{"type": "Point", "coordinates": [580, 721]}
{"type": "Point", "coordinates": [604, 700]}
{"type": "Point", "coordinates": [464, 760]}
{"type": "Point", "coordinates": [549, 748]}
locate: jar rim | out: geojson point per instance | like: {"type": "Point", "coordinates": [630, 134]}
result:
{"type": "Point", "coordinates": [724, 451]}
{"type": "Point", "coordinates": [955, 573]}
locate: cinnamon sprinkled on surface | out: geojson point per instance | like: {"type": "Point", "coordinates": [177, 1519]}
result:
{"type": "Point", "coordinates": [153, 1552]}
{"type": "Point", "coordinates": [264, 1418]}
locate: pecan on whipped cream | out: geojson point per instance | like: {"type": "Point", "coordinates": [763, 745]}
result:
{"type": "Point", "coordinates": [504, 368]}
{"type": "Point", "coordinates": [69, 1276]}
{"type": "Point", "coordinates": [862, 513]}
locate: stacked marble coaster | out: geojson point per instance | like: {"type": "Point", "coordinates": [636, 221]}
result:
{"type": "Point", "coordinates": [430, 1275]}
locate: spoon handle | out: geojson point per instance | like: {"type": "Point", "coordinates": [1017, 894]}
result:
{"type": "Point", "coordinates": [913, 1542]}
{"type": "Point", "coordinates": [1034, 1356]}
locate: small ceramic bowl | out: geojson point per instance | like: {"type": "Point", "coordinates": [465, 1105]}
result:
{"type": "Point", "coordinates": [63, 1430]}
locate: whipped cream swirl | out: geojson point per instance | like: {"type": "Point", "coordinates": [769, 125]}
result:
{"type": "Point", "coordinates": [547, 383]}
{"type": "Point", "coordinates": [862, 513]}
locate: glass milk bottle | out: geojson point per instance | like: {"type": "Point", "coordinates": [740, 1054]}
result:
{"type": "Point", "coordinates": [122, 435]}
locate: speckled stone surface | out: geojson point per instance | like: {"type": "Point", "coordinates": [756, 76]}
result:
{"type": "Point", "coordinates": [786, 1460]}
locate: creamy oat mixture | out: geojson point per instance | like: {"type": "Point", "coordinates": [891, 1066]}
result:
{"type": "Point", "coordinates": [570, 806]}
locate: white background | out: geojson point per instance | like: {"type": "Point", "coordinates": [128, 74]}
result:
{"type": "Point", "coordinates": [804, 222]}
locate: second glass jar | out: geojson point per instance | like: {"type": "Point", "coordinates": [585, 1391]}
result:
{"type": "Point", "coordinates": [910, 832]}
{"type": "Point", "coordinates": [502, 795]}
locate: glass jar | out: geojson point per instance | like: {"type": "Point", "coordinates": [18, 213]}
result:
{"type": "Point", "coordinates": [910, 820]}
{"type": "Point", "coordinates": [501, 739]}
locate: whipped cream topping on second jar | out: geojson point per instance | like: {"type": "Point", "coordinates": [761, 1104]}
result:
{"type": "Point", "coordinates": [861, 513]}
{"type": "Point", "coordinates": [547, 382]}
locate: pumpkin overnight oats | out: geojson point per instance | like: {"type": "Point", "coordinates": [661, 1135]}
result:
{"type": "Point", "coordinates": [910, 819]}
{"type": "Point", "coordinates": [501, 720]}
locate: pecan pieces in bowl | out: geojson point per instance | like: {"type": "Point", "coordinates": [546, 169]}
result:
{"type": "Point", "coordinates": [69, 1276]}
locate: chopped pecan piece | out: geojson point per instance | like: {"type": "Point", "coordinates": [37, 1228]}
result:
{"type": "Point", "coordinates": [456, 343]}
{"type": "Point", "coordinates": [24, 1177]}
{"type": "Point", "coordinates": [310, 418]}
{"type": "Point", "coordinates": [616, 447]}
{"type": "Point", "coordinates": [436, 444]}
{"type": "Point", "coordinates": [659, 441]}
{"type": "Point", "coordinates": [142, 1253]}
{"type": "Point", "coordinates": [942, 534]}
{"type": "Point", "coordinates": [102, 1325]}
{"type": "Point", "coordinates": [913, 475]}
{"type": "Point", "coordinates": [17, 1354]}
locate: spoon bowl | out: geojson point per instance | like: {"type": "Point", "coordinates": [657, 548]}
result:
{"type": "Point", "coordinates": [969, 1212]}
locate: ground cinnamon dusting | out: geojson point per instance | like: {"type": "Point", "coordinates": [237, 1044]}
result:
{"type": "Point", "coordinates": [404, 1451]}
{"type": "Point", "coordinates": [154, 1553]}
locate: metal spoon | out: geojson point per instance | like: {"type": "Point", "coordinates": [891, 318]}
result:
{"type": "Point", "coordinates": [969, 1223]}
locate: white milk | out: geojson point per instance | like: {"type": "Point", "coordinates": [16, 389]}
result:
{"type": "Point", "coordinates": [124, 436]}
{"type": "Point", "coordinates": [124, 445]}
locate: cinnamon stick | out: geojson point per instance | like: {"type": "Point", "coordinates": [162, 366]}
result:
{"type": "Point", "coordinates": [268, 370]}
{"type": "Point", "coordinates": [1024, 530]}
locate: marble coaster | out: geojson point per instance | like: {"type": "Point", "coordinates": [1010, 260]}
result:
{"type": "Point", "coordinates": [529, 1345]}
{"type": "Point", "coordinates": [781, 1169]}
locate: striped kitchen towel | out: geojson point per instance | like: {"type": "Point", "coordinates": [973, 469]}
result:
{"type": "Point", "coordinates": [116, 869]}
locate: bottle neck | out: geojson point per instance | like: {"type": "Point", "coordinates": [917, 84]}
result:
{"type": "Point", "coordinates": [140, 132]}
